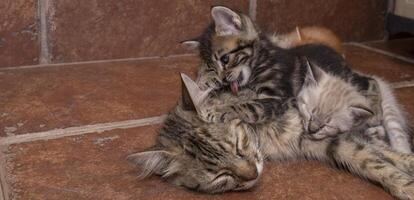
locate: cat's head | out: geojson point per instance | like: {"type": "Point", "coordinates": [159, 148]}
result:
{"type": "Point", "coordinates": [226, 46]}
{"type": "Point", "coordinates": [200, 156]}
{"type": "Point", "coordinates": [330, 105]}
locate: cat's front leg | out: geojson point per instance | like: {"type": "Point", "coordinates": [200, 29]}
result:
{"type": "Point", "coordinates": [371, 161]}
{"type": "Point", "coordinates": [254, 111]}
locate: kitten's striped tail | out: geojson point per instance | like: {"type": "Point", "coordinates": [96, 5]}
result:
{"type": "Point", "coordinates": [394, 119]}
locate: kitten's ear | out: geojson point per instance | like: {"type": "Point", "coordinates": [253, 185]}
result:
{"type": "Point", "coordinates": [151, 161]}
{"type": "Point", "coordinates": [192, 95]}
{"type": "Point", "coordinates": [227, 22]}
{"type": "Point", "coordinates": [191, 45]}
{"type": "Point", "coordinates": [314, 74]}
{"type": "Point", "coordinates": [361, 113]}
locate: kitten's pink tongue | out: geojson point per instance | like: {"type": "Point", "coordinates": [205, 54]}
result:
{"type": "Point", "coordinates": [234, 87]}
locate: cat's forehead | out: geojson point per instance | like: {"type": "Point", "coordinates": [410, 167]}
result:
{"type": "Point", "coordinates": [223, 44]}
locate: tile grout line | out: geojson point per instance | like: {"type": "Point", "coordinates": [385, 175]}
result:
{"type": "Point", "coordinates": [390, 54]}
{"type": "Point", "coordinates": [402, 84]}
{"type": "Point", "coordinates": [43, 8]}
{"type": "Point", "coordinates": [96, 62]}
{"type": "Point", "coordinates": [80, 130]}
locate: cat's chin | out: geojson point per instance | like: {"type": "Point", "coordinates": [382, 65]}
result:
{"type": "Point", "coordinates": [246, 185]}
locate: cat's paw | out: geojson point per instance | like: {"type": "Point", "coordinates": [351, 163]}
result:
{"type": "Point", "coordinates": [206, 82]}
{"type": "Point", "coordinates": [232, 75]}
{"type": "Point", "coordinates": [215, 115]}
{"type": "Point", "coordinates": [377, 135]}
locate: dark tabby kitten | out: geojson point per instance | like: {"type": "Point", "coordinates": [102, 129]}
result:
{"type": "Point", "coordinates": [219, 157]}
{"type": "Point", "coordinates": [236, 55]}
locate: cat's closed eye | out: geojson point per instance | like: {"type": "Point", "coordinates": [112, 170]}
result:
{"type": "Point", "coordinates": [224, 174]}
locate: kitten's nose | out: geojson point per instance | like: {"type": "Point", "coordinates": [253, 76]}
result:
{"type": "Point", "coordinates": [314, 127]}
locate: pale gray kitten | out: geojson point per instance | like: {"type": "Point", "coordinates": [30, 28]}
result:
{"type": "Point", "coordinates": [330, 105]}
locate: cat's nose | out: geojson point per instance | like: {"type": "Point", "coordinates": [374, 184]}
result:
{"type": "Point", "coordinates": [246, 171]}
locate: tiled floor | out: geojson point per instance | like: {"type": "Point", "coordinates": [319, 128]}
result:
{"type": "Point", "coordinates": [90, 163]}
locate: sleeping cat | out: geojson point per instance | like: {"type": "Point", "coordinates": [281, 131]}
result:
{"type": "Point", "coordinates": [219, 157]}
{"type": "Point", "coordinates": [327, 105]}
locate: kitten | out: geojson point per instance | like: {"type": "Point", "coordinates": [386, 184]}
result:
{"type": "Point", "coordinates": [236, 55]}
{"type": "Point", "coordinates": [330, 105]}
{"type": "Point", "coordinates": [219, 157]}
{"type": "Point", "coordinates": [300, 36]}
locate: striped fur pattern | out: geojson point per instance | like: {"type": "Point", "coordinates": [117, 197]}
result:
{"type": "Point", "coordinates": [204, 157]}
{"type": "Point", "coordinates": [235, 55]}
{"type": "Point", "coordinates": [219, 149]}
{"type": "Point", "coordinates": [219, 157]}
{"type": "Point", "coordinates": [330, 105]}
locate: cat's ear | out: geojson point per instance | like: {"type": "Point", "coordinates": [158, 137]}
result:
{"type": "Point", "coordinates": [227, 22]}
{"type": "Point", "coordinates": [191, 45]}
{"type": "Point", "coordinates": [314, 74]}
{"type": "Point", "coordinates": [192, 95]}
{"type": "Point", "coordinates": [151, 162]}
{"type": "Point", "coordinates": [361, 113]}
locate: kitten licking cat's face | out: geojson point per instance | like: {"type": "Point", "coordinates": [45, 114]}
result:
{"type": "Point", "coordinates": [329, 105]}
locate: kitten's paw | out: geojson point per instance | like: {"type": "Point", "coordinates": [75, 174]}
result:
{"type": "Point", "coordinates": [209, 82]}
{"type": "Point", "coordinates": [232, 75]}
{"type": "Point", "coordinates": [215, 115]}
{"type": "Point", "coordinates": [377, 135]}
{"type": "Point", "coordinates": [377, 131]}
{"type": "Point", "coordinates": [210, 115]}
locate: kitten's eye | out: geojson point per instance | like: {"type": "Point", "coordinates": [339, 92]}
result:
{"type": "Point", "coordinates": [225, 59]}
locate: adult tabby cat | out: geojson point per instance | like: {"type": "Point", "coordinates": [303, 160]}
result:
{"type": "Point", "coordinates": [327, 105]}
{"type": "Point", "coordinates": [219, 157]}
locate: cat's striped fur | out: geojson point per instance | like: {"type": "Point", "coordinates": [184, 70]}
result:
{"type": "Point", "coordinates": [330, 105]}
{"type": "Point", "coordinates": [219, 157]}
{"type": "Point", "coordinates": [236, 55]}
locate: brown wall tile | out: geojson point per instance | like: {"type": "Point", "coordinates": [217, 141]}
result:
{"type": "Point", "coordinates": [352, 20]}
{"type": "Point", "coordinates": [18, 33]}
{"type": "Point", "coordinates": [106, 29]}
